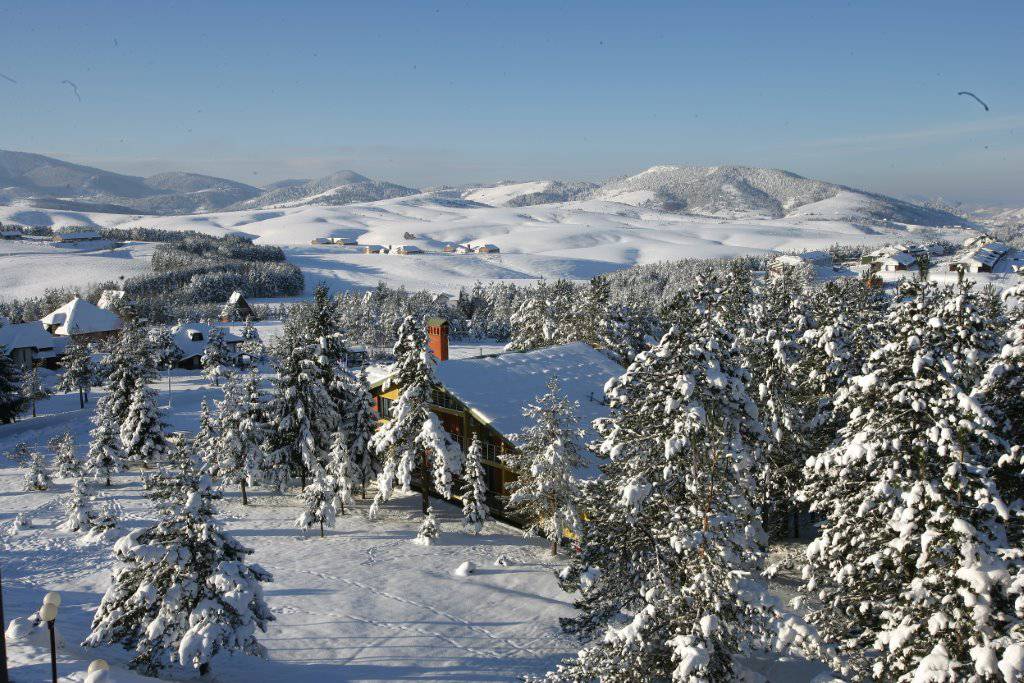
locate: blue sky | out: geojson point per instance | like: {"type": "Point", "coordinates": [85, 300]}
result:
{"type": "Point", "coordinates": [421, 93]}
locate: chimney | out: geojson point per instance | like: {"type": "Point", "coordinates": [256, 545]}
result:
{"type": "Point", "coordinates": [437, 331]}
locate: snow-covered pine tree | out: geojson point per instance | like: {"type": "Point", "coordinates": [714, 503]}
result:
{"type": "Point", "coordinates": [340, 470]}
{"type": "Point", "coordinates": [32, 388]}
{"type": "Point", "coordinates": [11, 399]}
{"type": "Point", "coordinates": [546, 454]}
{"type": "Point", "coordinates": [104, 457]}
{"type": "Point", "coordinates": [414, 439]}
{"type": "Point", "coordinates": [778, 318]}
{"type": "Point", "coordinates": [181, 591]}
{"type": "Point", "coordinates": [142, 431]}
{"type": "Point", "coordinates": [429, 530]}
{"type": "Point", "coordinates": [531, 323]}
{"type": "Point", "coordinates": [206, 443]}
{"type": "Point", "coordinates": [319, 502]}
{"type": "Point", "coordinates": [38, 476]}
{"type": "Point", "coordinates": [251, 345]}
{"type": "Point", "coordinates": [302, 417]}
{"type": "Point", "coordinates": [78, 508]}
{"type": "Point", "coordinates": [360, 424]}
{"type": "Point", "coordinates": [670, 546]}
{"type": "Point", "coordinates": [130, 359]}
{"type": "Point", "coordinates": [216, 356]}
{"type": "Point", "coordinates": [474, 489]}
{"type": "Point", "coordinates": [80, 372]}
{"type": "Point", "coordinates": [913, 570]}
{"type": "Point", "coordinates": [103, 523]}
{"type": "Point", "coordinates": [239, 448]}
{"type": "Point", "coordinates": [64, 461]}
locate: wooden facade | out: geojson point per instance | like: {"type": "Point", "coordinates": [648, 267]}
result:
{"type": "Point", "coordinates": [461, 425]}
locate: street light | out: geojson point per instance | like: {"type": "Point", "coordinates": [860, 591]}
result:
{"type": "Point", "coordinates": [48, 613]}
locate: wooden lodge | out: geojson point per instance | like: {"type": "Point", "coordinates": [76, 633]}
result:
{"type": "Point", "coordinates": [486, 396]}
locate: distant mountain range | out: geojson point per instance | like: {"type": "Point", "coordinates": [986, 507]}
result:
{"type": "Point", "coordinates": [713, 191]}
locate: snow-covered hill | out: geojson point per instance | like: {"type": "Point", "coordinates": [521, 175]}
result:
{"type": "Point", "coordinates": [530, 193]}
{"type": "Point", "coordinates": [739, 191]}
{"type": "Point", "coordinates": [343, 187]}
{"type": "Point", "coordinates": [574, 240]}
{"type": "Point", "coordinates": [51, 183]}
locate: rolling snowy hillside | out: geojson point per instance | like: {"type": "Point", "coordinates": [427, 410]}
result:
{"type": "Point", "coordinates": [575, 240]}
{"type": "Point", "coordinates": [738, 191]}
{"type": "Point", "coordinates": [52, 183]}
{"type": "Point", "coordinates": [343, 187]}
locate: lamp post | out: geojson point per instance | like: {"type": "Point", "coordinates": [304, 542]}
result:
{"type": "Point", "coordinates": [48, 613]}
{"type": "Point", "coordinates": [3, 639]}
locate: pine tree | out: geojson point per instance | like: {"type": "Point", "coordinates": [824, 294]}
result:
{"type": "Point", "coordinates": [547, 452]}
{"type": "Point", "coordinates": [531, 323]}
{"type": "Point", "coordinates": [38, 476]}
{"type": "Point", "coordinates": [32, 388]}
{"type": "Point", "coordinates": [11, 399]}
{"type": "Point", "coordinates": [429, 530]}
{"type": "Point", "coordinates": [474, 489]}
{"type": "Point", "coordinates": [142, 431]}
{"type": "Point", "coordinates": [103, 523]}
{"type": "Point", "coordinates": [80, 372]}
{"type": "Point", "coordinates": [670, 543]}
{"type": "Point", "coordinates": [206, 443]}
{"type": "Point", "coordinates": [360, 425]}
{"type": "Point", "coordinates": [913, 569]}
{"type": "Point", "coordinates": [215, 356]}
{"type": "Point", "coordinates": [414, 439]}
{"type": "Point", "coordinates": [251, 344]}
{"type": "Point", "coordinates": [302, 417]}
{"type": "Point", "coordinates": [340, 470]}
{"type": "Point", "coordinates": [319, 500]}
{"type": "Point", "coordinates": [64, 460]}
{"type": "Point", "coordinates": [104, 457]}
{"type": "Point", "coordinates": [181, 592]}
{"type": "Point", "coordinates": [239, 448]}
{"type": "Point", "coordinates": [78, 508]}
{"type": "Point", "coordinates": [130, 359]}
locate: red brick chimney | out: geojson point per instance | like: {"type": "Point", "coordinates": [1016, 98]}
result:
{"type": "Point", "coordinates": [437, 331]}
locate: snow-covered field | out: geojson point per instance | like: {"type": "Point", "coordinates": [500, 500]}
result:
{"type": "Point", "coordinates": [29, 266]}
{"type": "Point", "coordinates": [365, 603]}
{"type": "Point", "coordinates": [575, 240]}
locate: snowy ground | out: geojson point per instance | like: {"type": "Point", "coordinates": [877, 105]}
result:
{"type": "Point", "coordinates": [574, 240]}
{"type": "Point", "coordinates": [29, 266]}
{"type": "Point", "coordinates": [365, 603]}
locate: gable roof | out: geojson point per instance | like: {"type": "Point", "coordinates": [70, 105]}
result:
{"type": "Point", "coordinates": [900, 258]}
{"type": "Point", "coordinates": [191, 348]}
{"type": "Point", "coordinates": [78, 316]}
{"type": "Point", "coordinates": [497, 388]}
{"type": "Point", "coordinates": [30, 336]}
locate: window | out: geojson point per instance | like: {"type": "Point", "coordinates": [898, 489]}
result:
{"type": "Point", "coordinates": [442, 399]}
{"type": "Point", "coordinates": [385, 408]}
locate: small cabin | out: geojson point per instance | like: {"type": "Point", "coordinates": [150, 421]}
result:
{"type": "Point", "coordinates": [29, 344]}
{"type": "Point", "coordinates": [450, 248]}
{"type": "Point", "coordinates": [407, 249]}
{"type": "Point", "coordinates": [82, 321]}
{"type": "Point", "coordinates": [237, 308]}
{"type": "Point", "coordinates": [192, 340]}
{"type": "Point", "coordinates": [982, 259]}
{"type": "Point", "coordinates": [813, 259]}
{"type": "Point", "coordinates": [486, 249]}
{"type": "Point", "coordinates": [343, 241]}
{"type": "Point", "coordinates": [76, 236]}
{"type": "Point", "coordinates": [320, 240]}
{"type": "Point", "coordinates": [374, 249]}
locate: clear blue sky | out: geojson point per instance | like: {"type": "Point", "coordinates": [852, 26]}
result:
{"type": "Point", "coordinates": [863, 93]}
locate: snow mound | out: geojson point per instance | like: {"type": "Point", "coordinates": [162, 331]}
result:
{"type": "Point", "coordinates": [465, 569]}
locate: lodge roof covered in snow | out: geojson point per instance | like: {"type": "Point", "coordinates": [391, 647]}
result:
{"type": "Point", "coordinates": [30, 336]}
{"type": "Point", "coordinates": [497, 388]}
{"type": "Point", "coordinates": [193, 338]}
{"type": "Point", "coordinates": [78, 316]}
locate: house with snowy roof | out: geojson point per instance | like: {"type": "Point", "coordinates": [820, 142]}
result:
{"type": "Point", "coordinates": [237, 308]}
{"type": "Point", "coordinates": [82, 321]}
{"type": "Point", "coordinates": [486, 396]}
{"type": "Point", "coordinates": [75, 236]}
{"type": "Point", "coordinates": [485, 248]}
{"type": "Point", "coordinates": [982, 259]}
{"type": "Point", "coordinates": [30, 344]}
{"type": "Point", "coordinates": [192, 340]}
{"type": "Point", "coordinates": [406, 249]}
{"type": "Point", "coordinates": [813, 259]}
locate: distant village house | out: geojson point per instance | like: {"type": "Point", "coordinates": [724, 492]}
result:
{"type": "Point", "coordinates": [82, 321]}
{"type": "Point", "coordinates": [191, 339]}
{"type": "Point", "coordinates": [237, 308]}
